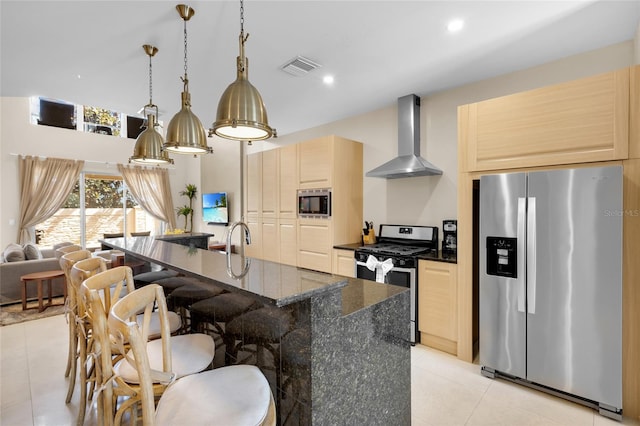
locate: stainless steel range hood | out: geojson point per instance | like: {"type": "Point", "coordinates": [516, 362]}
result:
{"type": "Point", "coordinates": [408, 163]}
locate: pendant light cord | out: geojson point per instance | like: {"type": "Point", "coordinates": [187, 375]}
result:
{"type": "Point", "coordinates": [150, 82]}
{"type": "Point", "coordinates": [242, 17]}
{"type": "Point", "coordinates": [185, 53]}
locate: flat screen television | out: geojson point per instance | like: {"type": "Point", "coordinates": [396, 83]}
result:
{"type": "Point", "coordinates": [214, 208]}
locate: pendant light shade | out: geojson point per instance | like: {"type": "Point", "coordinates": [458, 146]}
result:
{"type": "Point", "coordinates": [148, 148]}
{"type": "Point", "coordinates": [185, 133]}
{"type": "Point", "coordinates": [241, 112]}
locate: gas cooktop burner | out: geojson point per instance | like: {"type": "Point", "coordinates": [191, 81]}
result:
{"type": "Point", "coordinates": [395, 249]}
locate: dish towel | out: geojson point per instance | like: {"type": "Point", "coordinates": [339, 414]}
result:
{"type": "Point", "coordinates": [381, 268]}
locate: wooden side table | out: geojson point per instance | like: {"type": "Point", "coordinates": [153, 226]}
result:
{"type": "Point", "coordinates": [47, 278]}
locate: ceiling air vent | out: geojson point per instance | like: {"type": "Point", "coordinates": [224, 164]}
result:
{"type": "Point", "coordinates": [299, 66]}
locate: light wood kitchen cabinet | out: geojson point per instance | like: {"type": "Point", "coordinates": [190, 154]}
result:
{"type": "Point", "coordinates": [253, 185]}
{"type": "Point", "coordinates": [288, 247]}
{"type": "Point", "coordinates": [288, 182]}
{"type": "Point", "coordinates": [315, 164]}
{"type": "Point", "coordinates": [270, 179]}
{"type": "Point", "coordinates": [344, 263]}
{"type": "Point", "coordinates": [255, 227]}
{"type": "Point", "coordinates": [579, 121]}
{"type": "Point", "coordinates": [270, 239]}
{"type": "Point", "coordinates": [437, 305]}
{"type": "Point", "coordinates": [314, 244]}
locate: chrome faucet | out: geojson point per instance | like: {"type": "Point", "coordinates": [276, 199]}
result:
{"type": "Point", "coordinates": [247, 261]}
{"type": "Point", "coordinates": [247, 234]}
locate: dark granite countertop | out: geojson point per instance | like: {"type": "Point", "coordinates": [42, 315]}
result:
{"type": "Point", "coordinates": [431, 256]}
{"type": "Point", "coordinates": [271, 282]}
{"type": "Point", "coordinates": [170, 237]}
{"type": "Point", "coordinates": [352, 246]}
{"type": "Point", "coordinates": [438, 257]}
{"type": "Point", "coordinates": [359, 294]}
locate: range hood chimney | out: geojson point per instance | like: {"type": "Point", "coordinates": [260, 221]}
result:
{"type": "Point", "coordinates": [408, 163]}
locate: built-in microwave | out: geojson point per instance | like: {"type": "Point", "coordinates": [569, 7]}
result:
{"type": "Point", "coordinates": [314, 203]}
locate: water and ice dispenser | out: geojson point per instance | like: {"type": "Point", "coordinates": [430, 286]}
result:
{"type": "Point", "coordinates": [502, 255]}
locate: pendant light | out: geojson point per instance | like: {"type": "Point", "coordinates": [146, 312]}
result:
{"type": "Point", "coordinates": [241, 113]}
{"type": "Point", "coordinates": [185, 133]}
{"type": "Point", "coordinates": [148, 147]}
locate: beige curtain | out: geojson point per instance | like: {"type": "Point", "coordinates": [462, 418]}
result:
{"type": "Point", "coordinates": [45, 185]}
{"type": "Point", "coordinates": [151, 189]}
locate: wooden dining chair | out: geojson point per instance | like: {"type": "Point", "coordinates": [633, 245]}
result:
{"type": "Point", "coordinates": [66, 263]}
{"type": "Point", "coordinates": [66, 249]}
{"type": "Point", "coordinates": [80, 271]}
{"type": "Point", "coordinates": [119, 380]}
{"type": "Point", "coordinates": [234, 395]}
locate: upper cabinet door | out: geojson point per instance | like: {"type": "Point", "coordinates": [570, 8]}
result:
{"type": "Point", "coordinates": [288, 181]}
{"type": "Point", "coordinates": [575, 122]}
{"type": "Point", "coordinates": [270, 183]}
{"type": "Point", "coordinates": [315, 159]}
{"type": "Point", "coordinates": [253, 194]}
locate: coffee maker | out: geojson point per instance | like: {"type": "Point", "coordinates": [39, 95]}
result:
{"type": "Point", "coordinates": [449, 237]}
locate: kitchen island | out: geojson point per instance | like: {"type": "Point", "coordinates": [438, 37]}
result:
{"type": "Point", "coordinates": [345, 359]}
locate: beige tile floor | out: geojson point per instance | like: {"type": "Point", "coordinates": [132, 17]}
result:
{"type": "Point", "coordinates": [444, 391]}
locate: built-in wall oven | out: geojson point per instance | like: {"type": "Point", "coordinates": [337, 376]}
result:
{"type": "Point", "coordinates": [394, 260]}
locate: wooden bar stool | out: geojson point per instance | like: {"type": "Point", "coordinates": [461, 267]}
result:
{"type": "Point", "coordinates": [235, 395]}
{"type": "Point", "coordinates": [46, 278]}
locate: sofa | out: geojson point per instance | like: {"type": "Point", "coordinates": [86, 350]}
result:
{"type": "Point", "coordinates": [35, 260]}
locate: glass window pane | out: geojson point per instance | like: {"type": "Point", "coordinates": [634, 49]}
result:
{"type": "Point", "coordinates": [103, 210]}
{"type": "Point", "coordinates": [100, 120]}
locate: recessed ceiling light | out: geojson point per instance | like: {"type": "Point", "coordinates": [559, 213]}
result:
{"type": "Point", "coordinates": [328, 79]}
{"type": "Point", "coordinates": [455, 25]}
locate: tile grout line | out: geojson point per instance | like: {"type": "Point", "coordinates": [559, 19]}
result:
{"type": "Point", "coordinates": [478, 403]}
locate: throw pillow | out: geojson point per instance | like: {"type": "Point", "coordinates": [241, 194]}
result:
{"type": "Point", "coordinates": [14, 253]}
{"type": "Point", "coordinates": [32, 252]}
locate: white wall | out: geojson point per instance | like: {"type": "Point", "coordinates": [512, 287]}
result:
{"type": "Point", "coordinates": [637, 46]}
{"type": "Point", "coordinates": [221, 173]}
{"type": "Point", "coordinates": [102, 153]}
{"type": "Point", "coordinates": [429, 200]}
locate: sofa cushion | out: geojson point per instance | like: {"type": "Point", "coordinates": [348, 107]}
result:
{"type": "Point", "coordinates": [60, 245]}
{"type": "Point", "coordinates": [14, 253]}
{"type": "Point", "coordinates": [31, 251]}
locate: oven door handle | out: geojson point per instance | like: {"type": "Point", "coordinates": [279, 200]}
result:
{"type": "Point", "coordinates": [394, 269]}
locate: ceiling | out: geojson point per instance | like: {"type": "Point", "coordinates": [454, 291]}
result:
{"type": "Point", "coordinates": [90, 52]}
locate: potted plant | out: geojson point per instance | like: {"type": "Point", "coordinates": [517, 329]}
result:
{"type": "Point", "coordinates": [185, 211]}
{"type": "Point", "coordinates": [191, 192]}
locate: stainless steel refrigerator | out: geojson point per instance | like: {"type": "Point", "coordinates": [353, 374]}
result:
{"type": "Point", "coordinates": [551, 282]}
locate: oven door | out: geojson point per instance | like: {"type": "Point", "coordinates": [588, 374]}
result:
{"type": "Point", "coordinates": [403, 277]}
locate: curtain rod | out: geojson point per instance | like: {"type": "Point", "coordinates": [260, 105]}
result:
{"type": "Point", "coordinates": [89, 161]}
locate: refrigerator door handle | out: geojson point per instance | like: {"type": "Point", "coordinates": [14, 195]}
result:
{"type": "Point", "coordinates": [531, 255]}
{"type": "Point", "coordinates": [522, 214]}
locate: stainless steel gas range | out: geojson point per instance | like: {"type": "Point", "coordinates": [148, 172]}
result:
{"type": "Point", "coordinates": [394, 260]}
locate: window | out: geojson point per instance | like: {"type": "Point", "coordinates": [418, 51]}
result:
{"type": "Point", "coordinates": [56, 114]}
{"type": "Point", "coordinates": [90, 119]}
{"type": "Point", "coordinates": [99, 120]}
{"type": "Point", "coordinates": [98, 204]}
{"type": "Point", "coordinates": [135, 126]}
